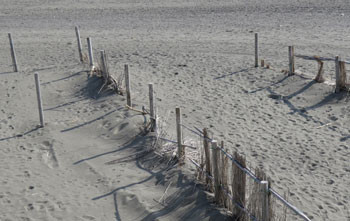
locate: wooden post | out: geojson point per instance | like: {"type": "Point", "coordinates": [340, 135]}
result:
{"type": "Point", "coordinates": [127, 85]}
{"type": "Point", "coordinates": [13, 54]}
{"type": "Point", "coordinates": [91, 56]}
{"type": "Point", "coordinates": [337, 74]}
{"type": "Point", "coordinates": [104, 66]}
{"type": "Point", "coordinates": [342, 72]}
{"type": "Point", "coordinates": [180, 147]}
{"type": "Point", "coordinates": [151, 108]}
{"type": "Point", "coordinates": [207, 154]}
{"type": "Point", "coordinates": [37, 84]}
{"type": "Point", "coordinates": [216, 170]}
{"type": "Point", "coordinates": [77, 32]}
{"type": "Point", "coordinates": [291, 60]}
{"type": "Point", "coordinates": [265, 200]}
{"type": "Point", "coordinates": [256, 50]}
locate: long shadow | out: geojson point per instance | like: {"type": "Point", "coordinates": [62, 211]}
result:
{"type": "Point", "coordinates": [127, 145]}
{"type": "Point", "coordinates": [301, 112]}
{"type": "Point", "coordinates": [117, 215]}
{"type": "Point", "coordinates": [232, 73]}
{"type": "Point", "coordinates": [184, 196]}
{"type": "Point", "coordinates": [328, 99]}
{"type": "Point", "coordinates": [307, 86]}
{"type": "Point", "coordinates": [273, 84]}
{"type": "Point", "coordinates": [64, 78]}
{"type": "Point", "coordinates": [89, 122]}
{"type": "Point", "coordinates": [21, 135]}
{"type": "Point", "coordinates": [7, 72]}
{"type": "Point", "coordinates": [65, 104]}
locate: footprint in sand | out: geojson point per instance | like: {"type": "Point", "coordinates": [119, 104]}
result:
{"type": "Point", "coordinates": [49, 155]}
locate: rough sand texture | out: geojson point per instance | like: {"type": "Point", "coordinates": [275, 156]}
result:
{"type": "Point", "coordinates": [199, 55]}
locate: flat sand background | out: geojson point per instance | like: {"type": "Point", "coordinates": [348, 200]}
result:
{"type": "Point", "coordinates": [200, 57]}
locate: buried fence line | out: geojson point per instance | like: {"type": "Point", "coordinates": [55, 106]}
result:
{"type": "Point", "coordinates": [215, 148]}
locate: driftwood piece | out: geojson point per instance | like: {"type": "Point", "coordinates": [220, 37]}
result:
{"type": "Point", "coordinates": [319, 77]}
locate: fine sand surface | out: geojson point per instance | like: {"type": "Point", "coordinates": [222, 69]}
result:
{"type": "Point", "coordinates": [88, 162]}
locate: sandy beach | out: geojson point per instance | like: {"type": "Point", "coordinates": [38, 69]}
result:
{"type": "Point", "coordinates": [90, 161]}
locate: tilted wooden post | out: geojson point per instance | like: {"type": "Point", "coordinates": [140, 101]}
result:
{"type": "Point", "coordinates": [77, 32]}
{"type": "Point", "coordinates": [40, 107]}
{"type": "Point", "coordinates": [265, 200]}
{"type": "Point", "coordinates": [13, 54]}
{"type": "Point", "coordinates": [337, 74]}
{"type": "Point", "coordinates": [91, 56]}
{"type": "Point", "coordinates": [216, 172]}
{"type": "Point", "coordinates": [256, 50]}
{"type": "Point", "coordinates": [207, 154]}
{"type": "Point", "coordinates": [151, 108]}
{"type": "Point", "coordinates": [127, 85]}
{"type": "Point", "coordinates": [180, 146]}
{"type": "Point", "coordinates": [291, 60]}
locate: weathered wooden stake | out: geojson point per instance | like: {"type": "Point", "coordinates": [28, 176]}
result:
{"type": "Point", "coordinates": [151, 108]}
{"type": "Point", "coordinates": [207, 154]}
{"type": "Point", "coordinates": [37, 84]}
{"type": "Point", "coordinates": [216, 170]}
{"type": "Point", "coordinates": [265, 200]}
{"type": "Point", "coordinates": [13, 54]}
{"type": "Point", "coordinates": [256, 50]}
{"type": "Point", "coordinates": [337, 74]}
{"type": "Point", "coordinates": [127, 85]}
{"type": "Point", "coordinates": [180, 146]}
{"type": "Point", "coordinates": [77, 32]}
{"type": "Point", "coordinates": [291, 60]}
{"type": "Point", "coordinates": [91, 56]}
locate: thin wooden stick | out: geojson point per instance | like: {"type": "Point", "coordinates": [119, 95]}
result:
{"type": "Point", "coordinates": [265, 200]}
{"type": "Point", "coordinates": [77, 32]}
{"type": "Point", "coordinates": [151, 108]}
{"type": "Point", "coordinates": [127, 85]}
{"type": "Point", "coordinates": [91, 56]}
{"type": "Point", "coordinates": [216, 170]}
{"type": "Point", "coordinates": [37, 84]}
{"type": "Point", "coordinates": [207, 154]}
{"type": "Point", "coordinates": [13, 54]}
{"type": "Point", "coordinates": [256, 50]}
{"type": "Point", "coordinates": [180, 147]}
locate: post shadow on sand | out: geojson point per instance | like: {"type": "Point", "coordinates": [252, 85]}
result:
{"type": "Point", "coordinates": [21, 134]}
{"type": "Point", "coordinates": [268, 87]}
{"type": "Point", "coordinates": [186, 194]}
{"type": "Point", "coordinates": [89, 122]}
{"type": "Point", "coordinates": [233, 73]}
{"type": "Point", "coordinates": [64, 78]}
{"type": "Point", "coordinates": [65, 104]}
